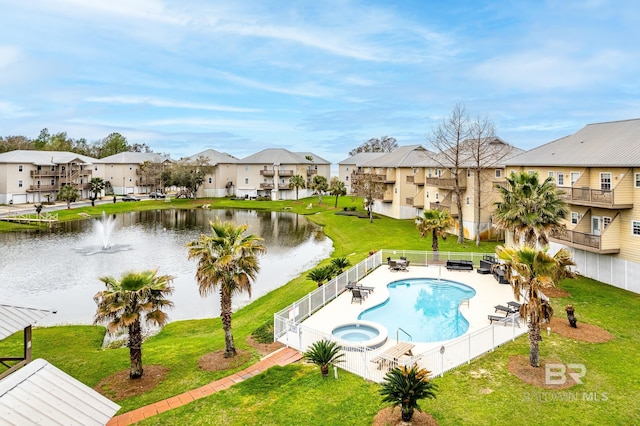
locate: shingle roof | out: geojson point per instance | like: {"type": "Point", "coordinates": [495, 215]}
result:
{"type": "Point", "coordinates": [316, 158]}
{"type": "Point", "coordinates": [41, 394]}
{"type": "Point", "coordinates": [215, 157]}
{"type": "Point", "coordinates": [403, 156]}
{"type": "Point", "coordinates": [362, 157]}
{"type": "Point", "coordinates": [16, 318]}
{"type": "Point", "coordinates": [280, 156]}
{"type": "Point", "coordinates": [44, 158]}
{"type": "Point", "coordinates": [613, 143]}
{"type": "Point", "coordinates": [134, 158]}
{"type": "Point", "coordinates": [497, 152]}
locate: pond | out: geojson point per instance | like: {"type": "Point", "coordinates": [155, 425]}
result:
{"type": "Point", "coordinates": [60, 269]}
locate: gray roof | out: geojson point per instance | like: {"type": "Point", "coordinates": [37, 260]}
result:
{"type": "Point", "coordinates": [610, 144]}
{"type": "Point", "coordinates": [281, 156]}
{"type": "Point", "coordinates": [316, 158]}
{"type": "Point", "coordinates": [41, 394]}
{"type": "Point", "coordinates": [16, 318]}
{"type": "Point", "coordinates": [44, 158]}
{"type": "Point", "coordinates": [403, 156]}
{"type": "Point", "coordinates": [215, 157]}
{"type": "Point", "coordinates": [495, 154]}
{"type": "Point", "coordinates": [362, 157]}
{"type": "Point", "coordinates": [134, 158]}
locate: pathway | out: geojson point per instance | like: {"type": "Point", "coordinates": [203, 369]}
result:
{"type": "Point", "coordinates": [280, 357]}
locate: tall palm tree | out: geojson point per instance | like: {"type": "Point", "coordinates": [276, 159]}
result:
{"type": "Point", "coordinates": [297, 181]}
{"type": "Point", "coordinates": [68, 193]}
{"type": "Point", "coordinates": [96, 185]}
{"type": "Point", "coordinates": [129, 300]}
{"type": "Point", "coordinates": [227, 262]}
{"type": "Point", "coordinates": [337, 188]}
{"type": "Point", "coordinates": [530, 271]}
{"type": "Point", "coordinates": [405, 386]}
{"type": "Point", "coordinates": [436, 223]}
{"type": "Point", "coordinates": [529, 208]}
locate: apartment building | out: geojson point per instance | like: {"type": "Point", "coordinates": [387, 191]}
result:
{"type": "Point", "coordinates": [355, 163]}
{"type": "Point", "coordinates": [598, 170]}
{"type": "Point", "coordinates": [37, 176]}
{"type": "Point", "coordinates": [268, 173]}
{"type": "Point", "coordinates": [221, 182]}
{"type": "Point", "coordinates": [131, 172]}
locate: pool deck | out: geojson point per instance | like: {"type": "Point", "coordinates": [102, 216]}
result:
{"type": "Point", "coordinates": [488, 294]}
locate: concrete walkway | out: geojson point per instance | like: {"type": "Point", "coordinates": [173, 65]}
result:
{"type": "Point", "coordinates": [280, 357]}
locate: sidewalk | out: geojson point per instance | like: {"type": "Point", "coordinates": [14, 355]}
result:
{"type": "Point", "coordinates": [280, 357]}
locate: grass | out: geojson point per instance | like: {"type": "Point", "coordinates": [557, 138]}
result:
{"type": "Point", "coordinates": [480, 393]}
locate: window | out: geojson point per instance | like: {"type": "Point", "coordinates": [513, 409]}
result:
{"type": "Point", "coordinates": [468, 172]}
{"type": "Point", "coordinates": [427, 195]}
{"type": "Point", "coordinates": [560, 179]}
{"type": "Point", "coordinates": [210, 180]}
{"type": "Point", "coordinates": [606, 220]}
{"type": "Point", "coordinates": [95, 168]}
{"type": "Point", "coordinates": [246, 180]}
{"type": "Point", "coordinates": [498, 173]}
{"type": "Point", "coordinates": [347, 168]}
{"type": "Point", "coordinates": [20, 168]}
{"type": "Point", "coordinates": [346, 178]}
{"type": "Point", "coordinates": [637, 180]}
{"type": "Point", "coordinates": [468, 201]}
{"type": "Point", "coordinates": [130, 179]}
{"type": "Point", "coordinates": [53, 182]}
{"type": "Point", "coordinates": [552, 175]}
{"type": "Point", "coordinates": [431, 172]}
{"type": "Point", "coordinates": [19, 184]}
{"type": "Point", "coordinates": [439, 172]}
{"type": "Point", "coordinates": [130, 167]}
{"type": "Point", "coordinates": [605, 181]}
{"type": "Point", "coordinates": [575, 217]}
{"type": "Point", "coordinates": [635, 227]}
{"type": "Point", "coordinates": [574, 177]}
{"type": "Point", "coordinates": [437, 195]}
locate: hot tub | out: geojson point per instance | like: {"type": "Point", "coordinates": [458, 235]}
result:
{"type": "Point", "coordinates": [361, 333]}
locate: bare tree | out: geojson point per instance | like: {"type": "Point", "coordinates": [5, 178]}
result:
{"type": "Point", "coordinates": [368, 186]}
{"type": "Point", "coordinates": [447, 142]}
{"type": "Point", "coordinates": [383, 144]}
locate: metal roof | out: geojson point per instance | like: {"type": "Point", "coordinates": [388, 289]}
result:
{"type": "Point", "coordinates": [610, 144]}
{"type": "Point", "coordinates": [279, 156]}
{"type": "Point", "coordinates": [16, 318]}
{"type": "Point", "coordinates": [215, 157]}
{"type": "Point", "coordinates": [44, 158]}
{"type": "Point", "coordinates": [403, 156]}
{"type": "Point", "coordinates": [41, 394]}
{"type": "Point", "coordinates": [134, 158]}
{"type": "Point", "coordinates": [362, 157]}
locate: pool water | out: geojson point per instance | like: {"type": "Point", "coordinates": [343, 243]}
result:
{"type": "Point", "coordinates": [425, 308]}
{"type": "Point", "coordinates": [356, 333]}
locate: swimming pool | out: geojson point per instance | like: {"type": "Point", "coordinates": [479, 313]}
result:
{"type": "Point", "coordinates": [425, 308]}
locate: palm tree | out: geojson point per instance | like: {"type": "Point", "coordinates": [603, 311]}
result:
{"type": "Point", "coordinates": [529, 271]}
{"type": "Point", "coordinates": [337, 188]}
{"type": "Point", "coordinates": [324, 353]}
{"type": "Point", "coordinates": [125, 302]}
{"type": "Point", "coordinates": [68, 193]}
{"type": "Point", "coordinates": [530, 209]}
{"type": "Point", "coordinates": [340, 263]}
{"type": "Point", "coordinates": [96, 185]}
{"type": "Point", "coordinates": [405, 386]}
{"type": "Point", "coordinates": [228, 262]}
{"type": "Point", "coordinates": [319, 184]}
{"type": "Point", "coordinates": [297, 182]}
{"type": "Point", "coordinates": [436, 223]}
{"type": "Point", "coordinates": [321, 274]}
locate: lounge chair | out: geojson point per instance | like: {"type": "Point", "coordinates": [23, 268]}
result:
{"type": "Point", "coordinates": [514, 305]}
{"type": "Point", "coordinates": [357, 295]}
{"type": "Point", "coordinates": [352, 284]}
{"type": "Point", "coordinates": [511, 318]}
{"type": "Point", "coordinates": [506, 309]}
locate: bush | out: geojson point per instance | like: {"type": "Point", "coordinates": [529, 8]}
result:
{"type": "Point", "coordinates": [264, 333]}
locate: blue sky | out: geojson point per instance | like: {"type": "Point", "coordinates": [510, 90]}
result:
{"type": "Point", "coordinates": [321, 76]}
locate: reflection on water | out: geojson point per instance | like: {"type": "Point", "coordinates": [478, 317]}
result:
{"type": "Point", "coordinates": [51, 269]}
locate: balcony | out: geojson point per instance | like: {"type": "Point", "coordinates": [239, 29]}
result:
{"type": "Point", "coordinates": [266, 186]}
{"type": "Point", "coordinates": [447, 183]}
{"type": "Point", "coordinates": [285, 173]}
{"type": "Point", "coordinates": [418, 178]}
{"type": "Point", "coordinates": [390, 177]}
{"type": "Point", "coordinates": [608, 199]}
{"type": "Point", "coordinates": [42, 188]}
{"type": "Point", "coordinates": [44, 173]}
{"type": "Point", "coordinates": [267, 173]}
{"type": "Point", "coordinates": [284, 186]}
{"type": "Point", "coordinates": [587, 242]}
{"type": "Point", "coordinates": [410, 179]}
{"type": "Point", "coordinates": [387, 197]}
{"type": "Point", "coordinates": [451, 208]}
{"type": "Point", "coordinates": [311, 172]}
{"type": "Point", "coordinates": [409, 201]}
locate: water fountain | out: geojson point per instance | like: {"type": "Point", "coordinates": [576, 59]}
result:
{"type": "Point", "coordinates": [102, 230]}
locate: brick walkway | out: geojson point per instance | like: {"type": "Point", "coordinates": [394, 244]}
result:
{"type": "Point", "coordinates": [280, 357]}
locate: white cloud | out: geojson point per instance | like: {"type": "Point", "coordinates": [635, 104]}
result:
{"type": "Point", "coordinates": [164, 103]}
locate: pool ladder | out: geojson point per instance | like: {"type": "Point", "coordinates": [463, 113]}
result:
{"type": "Point", "coordinates": [398, 334]}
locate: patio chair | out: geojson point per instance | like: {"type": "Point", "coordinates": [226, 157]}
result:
{"type": "Point", "coordinates": [506, 309]}
{"type": "Point", "coordinates": [514, 305]}
{"type": "Point", "coordinates": [393, 265]}
{"type": "Point", "coordinates": [357, 295]}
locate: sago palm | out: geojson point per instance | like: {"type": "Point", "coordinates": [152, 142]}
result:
{"type": "Point", "coordinates": [324, 353]}
{"type": "Point", "coordinates": [530, 271]}
{"type": "Point", "coordinates": [228, 263]}
{"type": "Point", "coordinates": [405, 386]}
{"type": "Point", "coordinates": [129, 300]}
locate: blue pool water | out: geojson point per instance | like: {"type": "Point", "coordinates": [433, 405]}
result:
{"type": "Point", "coordinates": [425, 308]}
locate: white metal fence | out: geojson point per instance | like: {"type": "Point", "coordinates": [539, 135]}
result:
{"type": "Point", "coordinates": [371, 363]}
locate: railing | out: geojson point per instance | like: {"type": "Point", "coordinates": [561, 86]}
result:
{"type": "Point", "coordinates": [398, 334]}
{"type": "Point", "coordinates": [446, 182]}
{"type": "Point", "coordinates": [312, 172]}
{"type": "Point", "coordinates": [410, 179]}
{"type": "Point", "coordinates": [409, 201]}
{"type": "Point", "coordinates": [266, 186]}
{"type": "Point", "coordinates": [285, 173]}
{"type": "Point", "coordinates": [267, 173]}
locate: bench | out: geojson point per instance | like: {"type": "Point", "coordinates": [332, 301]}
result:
{"type": "Point", "coordinates": [393, 354]}
{"type": "Point", "coordinates": [509, 319]}
{"type": "Point", "coordinates": [460, 265]}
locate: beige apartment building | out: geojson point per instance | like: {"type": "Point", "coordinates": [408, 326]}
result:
{"type": "Point", "coordinates": [354, 164]}
{"type": "Point", "coordinates": [126, 172]}
{"type": "Point", "coordinates": [598, 169]}
{"type": "Point", "coordinates": [268, 173]}
{"type": "Point", "coordinates": [221, 182]}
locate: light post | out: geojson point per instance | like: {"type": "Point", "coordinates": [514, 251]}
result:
{"type": "Point", "coordinates": [123, 188]}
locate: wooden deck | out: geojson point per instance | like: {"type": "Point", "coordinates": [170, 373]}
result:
{"type": "Point", "coordinates": [41, 219]}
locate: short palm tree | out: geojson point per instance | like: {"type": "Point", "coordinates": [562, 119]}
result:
{"type": "Point", "coordinates": [324, 353]}
{"type": "Point", "coordinates": [337, 188]}
{"type": "Point", "coordinates": [531, 209]}
{"type": "Point", "coordinates": [228, 263]}
{"type": "Point", "coordinates": [96, 185]}
{"type": "Point", "coordinates": [129, 300]}
{"type": "Point", "coordinates": [321, 274]}
{"type": "Point", "coordinates": [320, 185]}
{"type": "Point", "coordinates": [530, 271]}
{"type": "Point", "coordinates": [68, 193]}
{"type": "Point", "coordinates": [436, 223]}
{"type": "Point", "coordinates": [296, 182]}
{"type": "Point", "coordinates": [340, 263]}
{"type": "Point", "coordinates": [405, 386]}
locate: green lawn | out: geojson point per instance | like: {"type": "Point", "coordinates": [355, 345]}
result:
{"type": "Point", "coordinates": [480, 393]}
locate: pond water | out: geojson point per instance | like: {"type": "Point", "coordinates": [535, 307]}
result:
{"type": "Point", "coordinates": [59, 269]}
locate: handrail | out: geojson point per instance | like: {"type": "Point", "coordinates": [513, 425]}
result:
{"type": "Point", "coordinates": [398, 332]}
{"type": "Point", "coordinates": [463, 301]}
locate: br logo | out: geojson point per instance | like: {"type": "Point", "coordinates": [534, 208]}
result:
{"type": "Point", "coordinates": [556, 374]}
